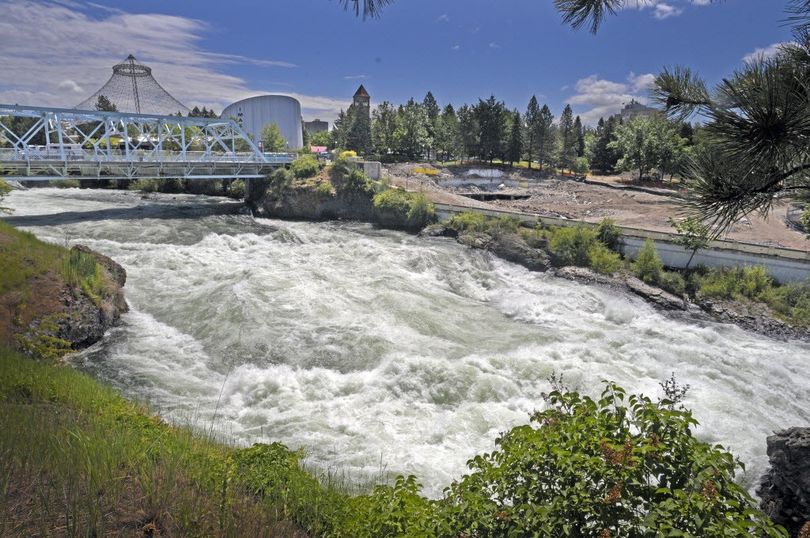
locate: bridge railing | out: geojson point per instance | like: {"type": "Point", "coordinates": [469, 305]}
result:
{"type": "Point", "coordinates": [30, 154]}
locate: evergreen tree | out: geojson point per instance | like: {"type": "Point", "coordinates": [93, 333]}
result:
{"type": "Point", "coordinates": [491, 115]}
{"type": "Point", "coordinates": [448, 137]}
{"type": "Point", "coordinates": [469, 131]}
{"type": "Point", "coordinates": [604, 157]}
{"type": "Point", "coordinates": [411, 134]}
{"type": "Point", "coordinates": [340, 130]}
{"type": "Point", "coordinates": [432, 111]}
{"type": "Point", "coordinates": [103, 104]}
{"type": "Point", "coordinates": [358, 137]}
{"type": "Point", "coordinates": [532, 119]}
{"type": "Point", "coordinates": [580, 132]}
{"type": "Point", "coordinates": [514, 150]}
{"type": "Point", "coordinates": [305, 135]}
{"type": "Point", "coordinates": [567, 152]}
{"type": "Point", "coordinates": [544, 136]}
{"type": "Point", "coordinates": [383, 128]}
{"type": "Point", "coordinates": [687, 132]}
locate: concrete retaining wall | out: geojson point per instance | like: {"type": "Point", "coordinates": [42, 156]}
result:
{"type": "Point", "coordinates": [783, 264]}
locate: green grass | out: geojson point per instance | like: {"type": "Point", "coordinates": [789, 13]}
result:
{"type": "Point", "coordinates": [78, 458]}
{"type": "Point", "coordinates": [23, 257]}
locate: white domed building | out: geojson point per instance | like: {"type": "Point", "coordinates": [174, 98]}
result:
{"type": "Point", "coordinates": [254, 113]}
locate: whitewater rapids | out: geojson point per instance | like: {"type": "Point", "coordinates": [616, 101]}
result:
{"type": "Point", "coordinates": [379, 352]}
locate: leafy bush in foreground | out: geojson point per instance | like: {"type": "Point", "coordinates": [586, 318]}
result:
{"type": "Point", "coordinates": [622, 465]}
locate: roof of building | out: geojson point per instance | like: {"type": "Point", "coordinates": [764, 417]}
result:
{"type": "Point", "coordinates": [361, 92]}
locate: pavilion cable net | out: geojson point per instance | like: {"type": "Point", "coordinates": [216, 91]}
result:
{"type": "Point", "coordinates": [132, 88]}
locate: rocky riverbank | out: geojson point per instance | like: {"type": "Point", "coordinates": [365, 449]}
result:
{"type": "Point", "coordinates": [318, 200]}
{"type": "Point", "coordinates": [54, 300]}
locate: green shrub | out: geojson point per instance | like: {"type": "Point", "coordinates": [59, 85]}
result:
{"type": "Point", "coordinates": [504, 225]}
{"type": "Point", "coordinates": [144, 185]}
{"type": "Point", "coordinates": [608, 233]}
{"type": "Point", "coordinates": [582, 166]}
{"type": "Point", "coordinates": [648, 265]}
{"type": "Point", "coordinates": [468, 222]}
{"type": "Point", "coordinates": [305, 167]}
{"type": "Point", "coordinates": [422, 211]}
{"type": "Point", "coordinates": [397, 206]}
{"type": "Point", "coordinates": [324, 189]}
{"type": "Point", "coordinates": [805, 219]}
{"type": "Point", "coordinates": [280, 180]}
{"type": "Point", "coordinates": [736, 282]}
{"type": "Point", "coordinates": [673, 282]}
{"type": "Point", "coordinates": [570, 245]}
{"type": "Point", "coordinates": [356, 182]}
{"type": "Point", "coordinates": [65, 183]}
{"type": "Point", "coordinates": [393, 511]}
{"type": "Point", "coordinates": [237, 189]}
{"type": "Point", "coordinates": [621, 465]}
{"type": "Point", "coordinates": [603, 260]}
{"type": "Point", "coordinates": [792, 301]}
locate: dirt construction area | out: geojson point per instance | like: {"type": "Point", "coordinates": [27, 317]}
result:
{"type": "Point", "coordinates": [646, 206]}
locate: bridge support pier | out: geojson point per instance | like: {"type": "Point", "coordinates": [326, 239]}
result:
{"type": "Point", "coordinates": [255, 189]}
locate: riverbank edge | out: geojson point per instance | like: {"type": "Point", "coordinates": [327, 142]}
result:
{"type": "Point", "coordinates": [302, 203]}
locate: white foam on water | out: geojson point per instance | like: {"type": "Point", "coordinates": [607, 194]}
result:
{"type": "Point", "coordinates": [373, 348]}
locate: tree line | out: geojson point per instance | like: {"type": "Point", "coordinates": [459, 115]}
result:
{"type": "Point", "coordinates": [489, 131]}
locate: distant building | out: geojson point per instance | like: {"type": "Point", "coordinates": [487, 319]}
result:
{"type": "Point", "coordinates": [362, 102]}
{"type": "Point", "coordinates": [635, 109]}
{"type": "Point", "coordinates": [316, 126]}
{"type": "Point", "coordinates": [254, 113]}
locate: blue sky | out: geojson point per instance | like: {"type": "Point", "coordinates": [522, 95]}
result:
{"type": "Point", "coordinates": [211, 52]}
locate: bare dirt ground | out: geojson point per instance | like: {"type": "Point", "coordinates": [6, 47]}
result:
{"type": "Point", "coordinates": [562, 197]}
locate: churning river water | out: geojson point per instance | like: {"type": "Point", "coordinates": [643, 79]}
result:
{"type": "Point", "coordinates": [377, 351]}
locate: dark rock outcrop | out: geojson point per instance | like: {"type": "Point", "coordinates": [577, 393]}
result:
{"type": "Point", "coordinates": [652, 294]}
{"type": "Point", "coordinates": [755, 317]}
{"type": "Point", "coordinates": [87, 320]}
{"type": "Point", "coordinates": [438, 230]}
{"type": "Point", "coordinates": [513, 248]}
{"type": "Point", "coordinates": [310, 204]}
{"type": "Point", "coordinates": [785, 488]}
{"type": "Point", "coordinates": [509, 246]}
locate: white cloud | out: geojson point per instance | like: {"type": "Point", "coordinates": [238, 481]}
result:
{"type": "Point", "coordinates": [661, 9]}
{"type": "Point", "coordinates": [763, 53]}
{"type": "Point", "coordinates": [664, 11]}
{"type": "Point", "coordinates": [39, 69]}
{"type": "Point", "coordinates": [701, 2]}
{"type": "Point", "coordinates": [443, 18]}
{"type": "Point", "coordinates": [71, 85]}
{"type": "Point", "coordinates": [639, 83]}
{"type": "Point", "coordinates": [355, 77]}
{"type": "Point", "coordinates": [494, 45]}
{"type": "Point", "coordinates": [597, 97]}
{"type": "Point", "coordinates": [455, 47]}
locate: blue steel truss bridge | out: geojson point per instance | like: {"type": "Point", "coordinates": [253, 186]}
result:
{"type": "Point", "coordinates": [43, 144]}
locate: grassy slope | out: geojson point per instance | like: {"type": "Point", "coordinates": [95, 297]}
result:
{"type": "Point", "coordinates": [77, 459]}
